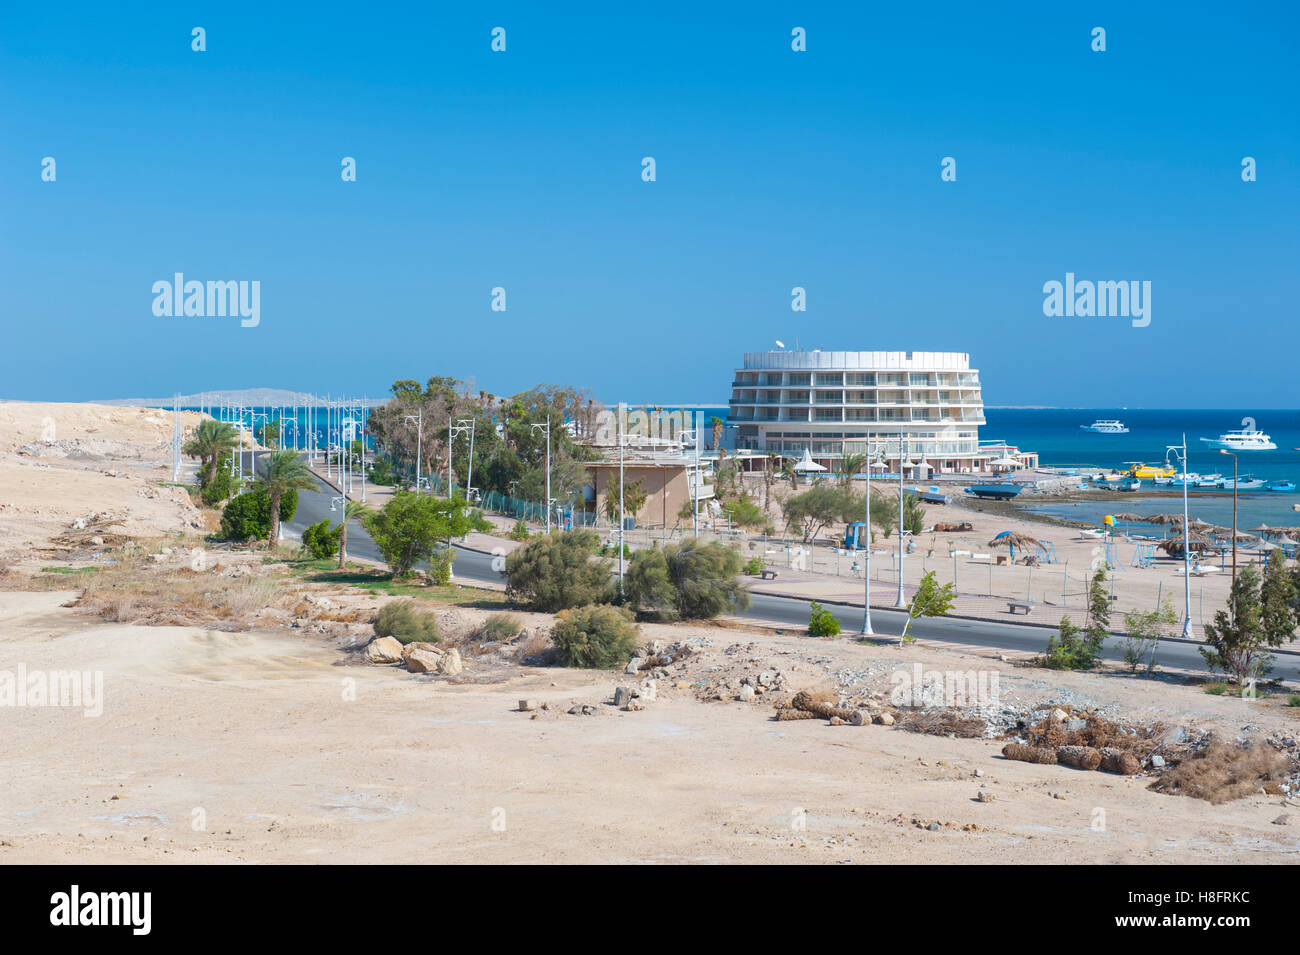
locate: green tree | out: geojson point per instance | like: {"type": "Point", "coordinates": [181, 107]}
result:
{"type": "Point", "coordinates": [1259, 615]}
{"type": "Point", "coordinates": [595, 636]}
{"type": "Point", "coordinates": [822, 622]}
{"type": "Point", "coordinates": [689, 580]}
{"type": "Point", "coordinates": [717, 424]}
{"type": "Point", "coordinates": [634, 498]}
{"type": "Point", "coordinates": [283, 471]}
{"type": "Point", "coordinates": [818, 507]}
{"type": "Point", "coordinates": [1098, 613]}
{"type": "Point", "coordinates": [745, 513]}
{"type": "Point", "coordinates": [247, 516]}
{"type": "Point", "coordinates": [221, 485]}
{"type": "Point", "coordinates": [352, 510]}
{"type": "Point", "coordinates": [930, 600]}
{"type": "Point", "coordinates": [1142, 632]}
{"type": "Point", "coordinates": [913, 514]}
{"type": "Point", "coordinates": [320, 541]}
{"type": "Point", "coordinates": [850, 465]}
{"type": "Point", "coordinates": [411, 527]}
{"type": "Point", "coordinates": [556, 572]}
{"type": "Point", "coordinates": [884, 514]}
{"type": "Point", "coordinates": [211, 438]}
{"type": "Point", "coordinates": [268, 435]}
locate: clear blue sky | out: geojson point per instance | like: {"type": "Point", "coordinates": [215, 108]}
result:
{"type": "Point", "coordinates": [775, 169]}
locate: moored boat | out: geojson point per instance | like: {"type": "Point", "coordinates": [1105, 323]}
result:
{"type": "Point", "coordinates": [1248, 438]}
{"type": "Point", "coordinates": [1280, 486]}
{"type": "Point", "coordinates": [995, 492]}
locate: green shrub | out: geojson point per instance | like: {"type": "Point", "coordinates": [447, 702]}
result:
{"type": "Point", "coordinates": [401, 621]}
{"type": "Point", "coordinates": [822, 622]}
{"type": "Point", "coordinates": [501, 626]}
{"type": "Point", "coordinates": [520, 531]}
{"type": "Point", "coordinates": [381, 472]}
{"type": "Point", "coordinates": [1070, 648]}
{"type": "Point", "coordinates": [555, 572]}
{"type": "Point", "coordinates": [321, 542]}
{"type": "Point", "coordinates": [1217, 689]}
{"type": "Point", "coordinates": [220, 487]}
{"type": "Point", "coordinates": [594, 637]}
{"type": "Point", "coordinates": [753, 567]}
{"type": "Point", "coordinates": [248, 515]}
{"type": "Point", "coordinates": [440, 566]}
{"type": "Point", "coordinates": [689, 580]}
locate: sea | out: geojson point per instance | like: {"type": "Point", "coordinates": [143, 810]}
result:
{"type": "Point", "coordinates": [1056, 434]}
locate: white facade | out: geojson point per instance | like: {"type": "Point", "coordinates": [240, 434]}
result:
{"type": "Point", "coordinates": [834, 402]}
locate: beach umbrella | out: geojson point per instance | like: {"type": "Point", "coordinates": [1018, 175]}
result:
{"type": "Point", "coordinates": [1129, 518]}
{"type": "Point", "coordinates": [1163, 519]}
{"type": "Point", "coordinates": [1014, 539]}
{"type": "Point", "coordinates": [1195, 542]}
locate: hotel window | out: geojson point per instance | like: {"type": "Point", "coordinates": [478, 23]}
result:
{"type": "Point", "coordinates": [861, 379]}
{"type": "Point", "coordinates": [800, 380]}
{"type": "Point", "coordinates": [830, 379]}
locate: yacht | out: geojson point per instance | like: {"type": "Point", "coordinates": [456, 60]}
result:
{"type": "Point", "coordinates": [1244, 483]}
{"type": "Point", "coordinates": [1106, 426]}
{"type": "Point", "coordinates": [1249, 438]}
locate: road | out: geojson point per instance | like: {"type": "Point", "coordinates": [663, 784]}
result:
{"type": "Point", "coordinates": [473, 566]}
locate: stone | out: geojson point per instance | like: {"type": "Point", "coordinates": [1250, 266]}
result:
{"type": "Point", "coordinates": [745, 694]}
{"type": "Point", "coordinates": [934, 827]}
{"type": "Point", "coordinates": [634, 705]}
{"type": "Point", "coordinates": [421, 661]}
{"type": "Point", "coordinates": [859, 718]}
{"type": "Point", "coordinates": [449, 664]}
{"type": "Point", "coordinates": [1059, 716]}
{"type": "Point", "coordinates": [634, 666]}
{"type": "Point", "coordinates": [983, 796]}
{"type": "Point", "coordinates": [1075, 726]}
{"type": "Point", "coordinates": [384, 650]}
{"type": "Point", "coordinates": [1174, 734]}
{"type": "Point", "coordinates": [623, 695]}
{"type": "Point", "coordinates": [527, 706]}
{"type": "Point", "coordinates": [648, 691]}
{"type": "Point", "coordinates": [838, 721]}
{"type": "Point", "coordinates": [886, 719]}
{"type": "Point", "coordinates": [979, 772]}
{"type": "Point", "coordinates": [766, 678]}
{"type": "Point", "coordinates": [1157, 760]}
{"type": "Point", "coordinates": [1281, 820]}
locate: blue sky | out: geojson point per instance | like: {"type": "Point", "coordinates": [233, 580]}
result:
{"type": "Point", "coordinates": [775, 169]}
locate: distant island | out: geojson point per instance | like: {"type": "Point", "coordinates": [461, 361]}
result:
{"type": "Point", "coordinates": [248, 397]}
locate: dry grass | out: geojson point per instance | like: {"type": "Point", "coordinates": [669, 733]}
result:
{"type": "Point", "coordinates": [1100, 733]}
{"type": "Point", "coordinates": [943, 723]}
{"type": "Point", "coordinates": [1222, 772]}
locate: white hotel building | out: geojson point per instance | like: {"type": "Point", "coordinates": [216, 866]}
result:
{"type": "Point", "coordinates": [833, 402]}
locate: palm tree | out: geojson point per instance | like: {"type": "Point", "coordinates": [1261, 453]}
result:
{"type": "Point", "coordinates": [285, 471]}
{"type": "Point", "coordinates": [212, 438]}
{"type": "Point", "coordinates": [850, 465]}
{"type": "Point", "coordinates": [351, 510]}
{"type": "Point", "coordinates": [718, 424]}
{"type": "Point", "coordinates": [773, 462]}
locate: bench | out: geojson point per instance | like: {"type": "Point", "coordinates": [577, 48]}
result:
{"type": "Point", "coordinates": [1014, 605]}
{"type": "Point", "coordinates": [767, 574]}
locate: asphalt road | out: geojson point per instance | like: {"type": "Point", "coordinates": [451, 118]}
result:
{"type": "Point", "coordinates": [473, 566]}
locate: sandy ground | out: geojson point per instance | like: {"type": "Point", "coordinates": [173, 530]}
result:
{"type": "Point", "coordinates": [246, 748]}
{"type": "Point", "coordinates": [277, 744]}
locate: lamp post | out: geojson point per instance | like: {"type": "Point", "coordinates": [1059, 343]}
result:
{"type": "Point", "coordinates": [460, 426]}
{"type": "Point", "coordinates": [547, 428]}
{"type": "Point", "coordinates": [866, 560]}
{"type": "Point", "coordinates": [1179, 453]}
{"type": "Point", "coordinates": [419, 438]}
{"type": "Point", "coordinates": [900, 601]}
{"type": "Point", "coordinates": [1234, 511]}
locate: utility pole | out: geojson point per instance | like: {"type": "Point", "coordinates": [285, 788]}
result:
{"type": "Point", "coordinates": [1180, 455]}
{"type": "Point", "coordinates": [866, 550]}
{"type": "Point", "coordinates": [462, 425]}
{"type": "Point", "coordinates": [900, 601]}
{"type": "Point", "coordinates": [419, 438]}
{"type": "Point", "coordinates": [547, 428]}
{"type": "Point", "coordinates": [1234, 512]}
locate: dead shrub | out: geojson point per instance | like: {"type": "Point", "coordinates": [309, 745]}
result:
{"type": "Point", "coordinates": [943, 723]}
{"type": "Point", "coordinates": [1222, 772]}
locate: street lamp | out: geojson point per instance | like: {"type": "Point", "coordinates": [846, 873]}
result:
{"type": "Point", "coordinates": [1234, 511]}
{"type": "Point", "coordinates": [459, 426]}
{"type": "Point", "coordinates": [419, 439]}
{"type": "Point", "coordinates": [1179, 453]}
{"type": "Point", "coordinates": [866, 560]}
{"type": "Point", "coordinates": [900, 601]}
{"type": "Point", "coordinates": [547, 428]}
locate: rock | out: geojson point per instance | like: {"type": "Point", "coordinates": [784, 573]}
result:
{"type": "Point", "coordinates": [1174, 734]}
{"type": "Point", "coordinates": [1075, 726]}
{"type": "Point", "coordinates": [745, 694]}
{"type": "Point", "coordinates": [449, 664]}
{"type": "Point", "coordinates": [859, 718]}
{"type": "Point", "coordinates": [983, 796]}
{"type": "Point", "coordinates": [422, 661]}
{"type": "Point", "coordinates": [384, 650]}
{"type": "Point", "coordinates": [623, 695]}
{"type": "Point", "coordinates": [634, 705]}
{"type": "Point", "coordinates": [1281, 820]}
{"type": "Point", "coordinates": [634, 666]}
{"type": "Point", "coordinates": [979, 772]}
{"type": "Point", "coordinates": [766, 678]}
{"type": "Point", "coordinates": [527, 706]}
{"type": "Point", "coordinates": [934, 827]}
{"type": "Point", "coordinates": [837, 721]}
{"type": "Point", "coordinates": [648, 691]}
{"type": "Point", "coordinates": [886, 719]}
{"type": "Point", "coordinates": [1157, 760]}
{"type": "Point", "coordinates": [1059, 716]}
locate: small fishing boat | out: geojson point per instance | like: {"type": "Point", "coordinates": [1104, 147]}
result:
{"type": "Point", "coordinates": [1280, 486]}
{"type": "Point", "coordinates": [1106, 426]}
{"type": "Point", "coordinates": [1210, 480]}
{"type": "Point", "coordinates": [934, 496]}
{"type": "Point", "coordinates": [995, 492]}
{"type": "Point", "coordinates": [1244, 483]}
{"type": "Point", "coordinates": [1130, 484]}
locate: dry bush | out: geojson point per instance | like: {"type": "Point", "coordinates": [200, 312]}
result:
{"type": "Point", "coordinates": [1100, 733]}
{"type": "Point", "coordinates": [1222, 772]}
{"type": "Point", "coordinates": [943, 723]}
{"type": "Point", "coordinates": [535, 648]}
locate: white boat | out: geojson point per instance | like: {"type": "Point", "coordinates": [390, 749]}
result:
{"type": "Point", "coordinates": [1209, 480]}
{"type": "Point", "coordinates": [1106, 426]}
{"type": "Point", "coordinates": [1249, 438]}
{"type": "Point", "coordinates": [1177, 479]}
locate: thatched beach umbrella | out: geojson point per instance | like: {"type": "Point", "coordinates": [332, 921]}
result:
{"type": "Point", "coordinates": [1014, 539]}
{"type": "Point", "coordinates": [1196, 543]}
{"type": "Point", "coordinates": [1129, 518]}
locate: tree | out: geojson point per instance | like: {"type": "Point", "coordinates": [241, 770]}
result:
{"type": "Point", "coordinates": [352, 510]}
{"type": "Point", "coordinates": [556, 572]}
{"type": "Point", "coordinates": [410, 527]}
{"type": "Point", "coordinates": [1098, 613]}
{"type": "Point", "coordinates": [1142, 635]}
{"type": "Point", "coordinates": [850, 465]}
{"type": "Point", "coordinates": [690, 580]}
{"type": "Point", "coordinates": [1259, 615]}
{"type": "Point", "coordinates": [745, 513]}
{"type": "Point", "coordinates": [913, 514]}
{"type": "Point", "coordinates": [248, 516]}
{"type": "Point", "coordinates": [268, 435]}
{"type": "Point", "coordinates": [822, 622]}
{"type": "Point", "coordinates": [818, 507]}
{"type": "Point", "coordinates": [211, 439]}
{"type": "Point", "coordinates": [930, 600]}
{"type": "Point", "coordinates": [320, 540]}
{"type": "Point", "coordinates": [771, 463]}
{"type": "Point", "coordinates": [1072, 648]}
{"type": "Point", "coordinates": [717, 424]}
{"type": "Point", "coordinates": [221, 485]}
{"type": "Point", "coordinates": [884, 514]}
{"type": "Point", "coordinates": [634, 498]}
{"type": "Point", "coordinates": [595, 636]}
{"type": "Point", "coordinates": [283, 471]}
